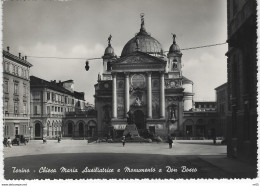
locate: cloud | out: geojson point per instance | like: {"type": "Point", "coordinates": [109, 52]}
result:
{"type": "Point", "coordinates": [207, 72]}
{"type": "Point", "coordinates": [64, 69]}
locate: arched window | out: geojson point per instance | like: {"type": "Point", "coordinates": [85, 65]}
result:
{"type": "Point", "coordinates": [108, 66]}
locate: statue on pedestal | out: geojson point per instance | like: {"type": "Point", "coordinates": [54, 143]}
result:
{"type": "Point", "coordinates": [130, 117]}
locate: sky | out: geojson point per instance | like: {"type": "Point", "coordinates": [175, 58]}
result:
{"type": "Point", "coordinates": [80, 28]}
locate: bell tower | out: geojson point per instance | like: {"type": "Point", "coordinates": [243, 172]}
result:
{"type": "Point", "coordinates": [108, 58]}
{"type": "Point", "coordinates": [174, 60]}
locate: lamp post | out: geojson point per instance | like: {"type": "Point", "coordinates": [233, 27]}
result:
{"type": "Point", "coordinates": [30, 131]}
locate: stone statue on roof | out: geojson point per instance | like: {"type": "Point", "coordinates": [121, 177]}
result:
{"type": "Point", "coordinates": [109, 39]}
{"type": "Point", "coordinates": [142, 18]}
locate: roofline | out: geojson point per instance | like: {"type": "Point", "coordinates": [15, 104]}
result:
{"type": "Point", "coordinates": [16, 58]}
{"type": "Point", "coordinates": [224, 84]}
{"type": "Point", "coordinates": [47, 84]}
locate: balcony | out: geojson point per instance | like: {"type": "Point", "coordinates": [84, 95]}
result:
{"type": "Point", "coordinates": [89, 113]}
{"type": "Point", "coordinates": [15, 115]}
{"type": "Point", "coordinates": [47, 115]}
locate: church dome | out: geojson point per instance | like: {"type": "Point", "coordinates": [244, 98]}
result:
{"type": "Point", "coordinates": [109, 50]}
{"type": "Point", "coordinates": [174, 47]}
{"type": "Point", "coordinates": [143, 42]}
{"type": "Point", "coordinates": [147, 44]}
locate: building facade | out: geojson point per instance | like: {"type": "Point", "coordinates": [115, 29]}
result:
{"type": "Point", "coordinates": [58, 110]}
{"type": "Point", "coordinates": [201, 120]}
{"type": "Point", "coordinates": [16, 95]}
{"type": "Point", "coordinates": [145, 82]}
{"type": "Point", "coordinates": [242, 79]}
{"type": "Point", "coordinates": [222, 107]}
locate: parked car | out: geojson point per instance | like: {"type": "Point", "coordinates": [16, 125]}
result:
{"type": "Point", "coordinates": [19, 139]}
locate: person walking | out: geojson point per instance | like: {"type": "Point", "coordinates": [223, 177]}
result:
{"type": "Point", "coordinates": [214, 136]}
{"type": "Point", "coordinates": [44, 140]}
{"type": "Point", "coordinates": [9, 142]}
{"type": "Point", "coordinates": [5, 142]}
{"type": "Point", "coordinates": [59, 139]}
{"type": "Point", "coordinates": [170, 141]}
{"type": "Point", "coordinates": [123, 141]}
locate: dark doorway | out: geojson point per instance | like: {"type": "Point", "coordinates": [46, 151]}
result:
{"type": "Point", "coordinates": [70, 128]}
{"type": "Point", "coordinates": [189, 130]}
{"type": "Point", "coordinates": [81, 130]}
{"type": "Point", "coordinates": [152, 129]}
{"type": "Point", "coordinates": [16, 130]}
{"type": "Point", "coordinates": [200, 130]}
{"type": "Point", "coordinates": [37, 130]}
{"type": "Point", "coordinates": [91, 131]}
{"type": "Point", "coordinates": [139, 119]}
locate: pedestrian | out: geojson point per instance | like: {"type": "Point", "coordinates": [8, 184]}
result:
{"type": "Point", "coordinates": [9, 142]}
{"type": "Point", "coordinates": [214, 136]}
{"type": "Point", "coordinates": [123, 141]}
{"type": "Point", "coordinates": [170, 141]}
{"type": "Point", "coordinates": [44, 140]}
{"type": "Point", "coordinates": [5, 142]}
{"type": "Point", "coordinates": [59, 139]}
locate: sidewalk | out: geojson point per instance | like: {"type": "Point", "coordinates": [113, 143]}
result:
{"type": "Point", "coordinates": [233, 166]}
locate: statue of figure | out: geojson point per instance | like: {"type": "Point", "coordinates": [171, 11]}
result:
{"type": "Point", "coordinates": [142, 18]}
{"type": "Point", "coordinates": [109, 39]}
{"type": "Point", "coordinates": [138, 102]}
{"type": "Point", "coordinates": [130, 117]}
{"type": "Point", "coordinates": [173, 113]}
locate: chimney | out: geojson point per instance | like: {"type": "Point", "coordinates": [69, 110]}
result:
{"type": "Point", "coordinates": [8, 48]}
{"type": "Point", "coordinates": [19, 55]}
{"type": "Point", "coordinates": [25, 57]}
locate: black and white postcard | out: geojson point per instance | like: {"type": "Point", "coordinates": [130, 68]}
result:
{"type": "Point", "coordinates": [110, 90]}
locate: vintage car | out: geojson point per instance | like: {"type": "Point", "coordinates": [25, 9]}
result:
{"type": "Point", "coordinates": [19, 139]}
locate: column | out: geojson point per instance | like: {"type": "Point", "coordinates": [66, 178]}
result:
{"type": "Point", "coordinates": [149, 95]}
{"type": "Point", "coordinates": [44, 129]}
{"type": "Point", "coordinates": [126, 93]}
{"type": "Point", "coordinates": [114, 96]}
{"type": "Point", "coordinates": [162, 96]}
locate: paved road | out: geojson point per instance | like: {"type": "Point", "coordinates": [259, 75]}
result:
{"type": "Point", "coordinates": [110, 160]}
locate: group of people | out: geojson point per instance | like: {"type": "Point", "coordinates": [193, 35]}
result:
{"type": "Point", "coordinates": [7, 142]}
{"type": "Point", "coordinates": [44, 140]}
{"type": "Point", "coordinates": [169, 139]}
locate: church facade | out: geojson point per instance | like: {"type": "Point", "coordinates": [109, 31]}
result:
{"type": "Point", "coordinates": [146, 82]}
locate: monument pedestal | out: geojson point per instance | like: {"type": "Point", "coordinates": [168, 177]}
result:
{"type": "Point", "coordinates": [132, 129]}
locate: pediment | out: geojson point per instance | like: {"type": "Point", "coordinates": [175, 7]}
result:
{"type": "Point", "coordinates": [139, 58]}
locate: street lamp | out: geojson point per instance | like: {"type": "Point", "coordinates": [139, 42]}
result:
{"type": "Point", "coordinates": [30, 131]}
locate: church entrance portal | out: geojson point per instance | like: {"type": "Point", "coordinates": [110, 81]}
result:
{"type": "Point", "coordinates": [81, 130]}
{"type": "Point", "coordinates": [37, 130]}
{"type": "Point", "coordinates": [70, 128]}
{"type": "Point", "coordinates": [139, 119]}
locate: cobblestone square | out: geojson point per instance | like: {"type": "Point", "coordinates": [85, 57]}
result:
{"type": "Point", "coordinates": [76, 159]}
